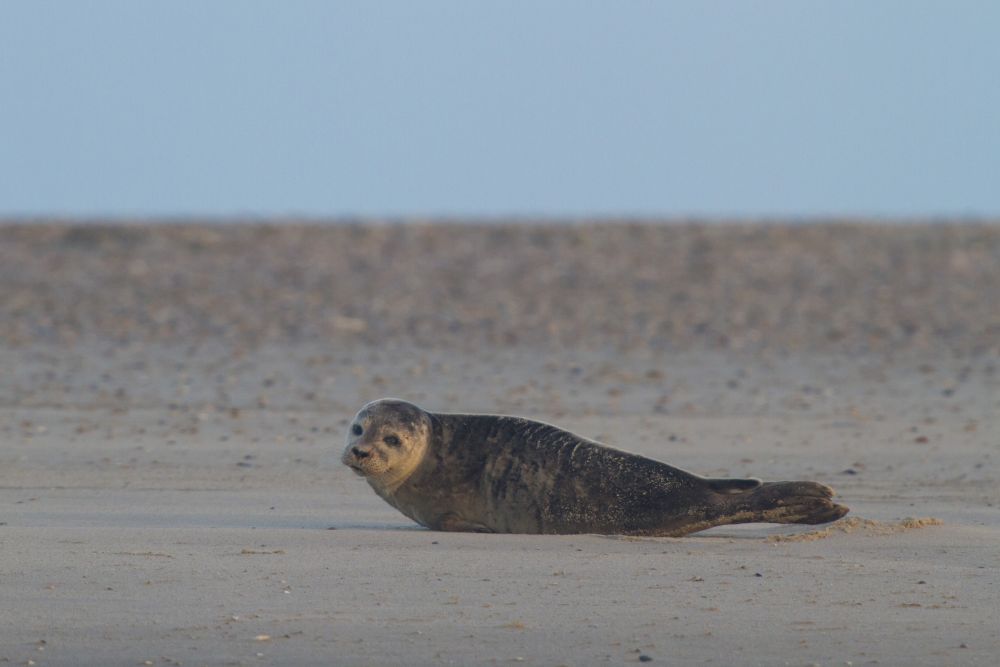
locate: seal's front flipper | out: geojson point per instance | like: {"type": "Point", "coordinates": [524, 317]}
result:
{"type": "Point", "coordinates": [455, 524]}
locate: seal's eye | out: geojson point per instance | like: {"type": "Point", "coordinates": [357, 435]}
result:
{"type": "Point", "coordinates": [392, 441]}
{"type": "Point", "coordinates": [357, 430]}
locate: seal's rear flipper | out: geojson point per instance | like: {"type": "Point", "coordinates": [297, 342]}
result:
{"type": "Point", "coordinates": [791, 502]}
{"type": "Point", "coordinates": [732, 485]}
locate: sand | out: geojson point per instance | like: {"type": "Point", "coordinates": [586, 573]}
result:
{"type": "Point", "coordinates": [173, 401]}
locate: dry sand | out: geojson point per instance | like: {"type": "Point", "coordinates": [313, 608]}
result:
{"type": "Point", "coordinates": [173, 400]}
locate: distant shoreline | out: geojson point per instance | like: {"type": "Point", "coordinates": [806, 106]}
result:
{"type": "Point", "coordinates": [490, 220]}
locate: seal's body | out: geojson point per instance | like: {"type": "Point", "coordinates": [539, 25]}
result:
{"type": "Point", "coordinates": [492, 473]}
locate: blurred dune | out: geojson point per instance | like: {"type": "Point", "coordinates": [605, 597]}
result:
{"type": "Point", "coordinates": [662, 286]}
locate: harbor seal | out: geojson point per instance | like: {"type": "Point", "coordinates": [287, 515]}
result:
{"type": "Point", "coordinates": [500, 474]}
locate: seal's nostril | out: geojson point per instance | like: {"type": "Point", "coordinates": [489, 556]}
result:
{"type": "Point", "coordinates": [360, 453]}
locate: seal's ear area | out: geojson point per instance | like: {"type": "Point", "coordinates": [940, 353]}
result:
{"type": "Point", "coordinates": [732, 485]}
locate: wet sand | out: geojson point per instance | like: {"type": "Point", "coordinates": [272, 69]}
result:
{"type": "Point", "coordinates": [174, 399]}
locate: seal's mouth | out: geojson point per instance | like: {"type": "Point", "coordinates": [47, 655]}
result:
{"type": "Point", "coordinates": [365, 462]}
{"type": "Point", "coordinates": [354, 464]}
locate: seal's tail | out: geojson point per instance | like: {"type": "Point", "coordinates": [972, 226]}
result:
{"type": "Point", "coordinates": [783, 502]}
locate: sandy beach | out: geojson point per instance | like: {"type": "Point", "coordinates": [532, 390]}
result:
{"type": "Point", "coordinates": [174, 399]}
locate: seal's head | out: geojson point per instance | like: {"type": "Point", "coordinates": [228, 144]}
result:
{"type": "Point", "coordinates": [386, 441]}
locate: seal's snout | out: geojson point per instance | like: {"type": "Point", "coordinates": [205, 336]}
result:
{"type": "Point", "coordinates": [362, 459]}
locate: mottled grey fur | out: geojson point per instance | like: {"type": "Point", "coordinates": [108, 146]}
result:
{"type": "Point", "coordinates": [494, 473]}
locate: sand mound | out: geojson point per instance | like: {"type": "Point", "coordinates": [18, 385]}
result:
{"type": "Point", "coordinates": [857, 524]}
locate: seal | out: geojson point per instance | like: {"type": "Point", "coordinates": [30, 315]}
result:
{"type": "Point", "coordinates": [501, 474]}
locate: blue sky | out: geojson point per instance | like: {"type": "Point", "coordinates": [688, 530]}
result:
{"type": "Point", "coordinates": [558, 108]}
